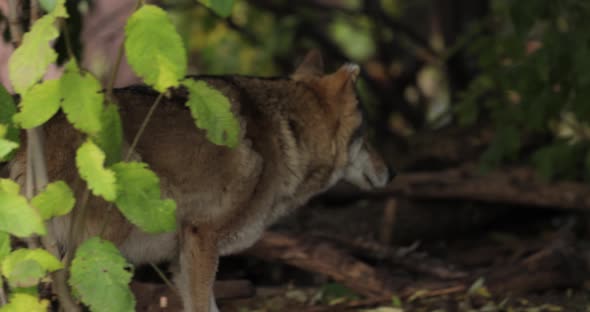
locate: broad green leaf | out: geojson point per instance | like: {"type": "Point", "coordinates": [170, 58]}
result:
{"type": "Point", "coordinates": [30, 60]}
{"type": "Point", "coordinates": [23, 302]}
{"type": "Point", "coordinates": [60, 9]}
{"type": "Point", "coordinates": [56, 8]}
{"type": "Point", "coordinates": [26, 273]}
{"type": "Point", "coordinates": [222, 8]}
{"type": "Point", "coordinates": [110, 137]}
{"type": "Point", "coordinates": [211, 111]}
{"type": "Point", "coordinates": [90, 163]}
{"type": "Point", "coordinates": [56, 200]}
{"type": "Point", "coordinates": [6, 147]}
{"type": "Point", "coordinates": [7, 111]}
{"type": "Point", "coordinates": [9, 186]}
{"type": "Point", "coordinates": [4, 245]}
{"type": "Point", "coordinates": [139, 198]}
{"type": "Point", "coordinates": [82, 99]}
{"type": "Point", "coordinates": [154, 49]}
{"type": "Point", "coordinates": [100, 277]}
{"type": "Point", "coordinates": [25, 267]}
{"type": "Point", "coordinates": [16, 216]}
{"type": "Point", "coordinates": [47, 5]}
{"type": "Point", "coordinates": [38, 104]}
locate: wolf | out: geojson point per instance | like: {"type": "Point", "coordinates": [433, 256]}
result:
{"type": "Point", "coordinates": [299, 135]}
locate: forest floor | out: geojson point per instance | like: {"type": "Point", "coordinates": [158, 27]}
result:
{"type": "Point", "coordinates": [510, 261]}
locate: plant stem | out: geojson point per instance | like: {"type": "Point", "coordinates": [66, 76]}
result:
{"type": "Point", "coordinates": [34, 11]}
{"type": "Point", "coordinates": [36, 177]}
{"type": "Point", "coordinates": [36, 157]}
{"type": "Point", "coordinates": [115, 71]}
{"type": "Point", "coordinates": [16, 31]}
{"type": "Point", "coordinates": [143, 126]}
{"type": "Point", "coordinates": [3, 299]}
{"type": "Point", "coordinates": [67, 39]}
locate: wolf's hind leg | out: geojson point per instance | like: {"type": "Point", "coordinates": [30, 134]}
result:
{"type": "Point", "coordinates": [198, 265]}
{"type": "Point", "coordinates": [213, 305]}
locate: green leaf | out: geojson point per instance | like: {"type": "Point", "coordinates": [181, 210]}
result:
{"type": "Point", "coordinates": [100, 277]}
{"type": "Point", "coordinates": [56, 200]}
{"type": "Point", "coordinates": [154, 49]}
{"type": "Point", "coordinates": [4, 245]}
{"type": "Point", "coordinates": [222, 8]}
{"type": "Point", "coordinates": [211, 111]}
{"type": "Point", "coordinates": [38, 104]}
{"type": "Point", "coordinates": [27, 273]}
{"type": "Point", "coordinates": [16, 216]}
{"type": "Point", "coordinates": [7, 111]}
{"type": "Point", "coordinates": [90, 162]}
{"type": "Point", "coordinates": [82, 99]}
{"type": "Point", "coordinates": [47, 5]}
{"type": "Point", "coordinates": [6, 147]}
{"type": "Point", "coordinates": [139, 198]}
{"type": "Point", "coordinates": [24, 267]}
{"type": "Point", "coordinates": [110, 137]}
{"type": "Point", "coordinates": [9, 186]}
{"type": "Point", "coordinates": [23, 302]}
{"type": "Point", "coordinates": [55, 7]}
{"type": "Point", "coordinates": [30, 60]}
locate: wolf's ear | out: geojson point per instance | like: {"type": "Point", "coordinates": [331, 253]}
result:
{"type": "Point", "coordinates": [312, 65]}
{"type": "Point", "coordinates": [343, 78]}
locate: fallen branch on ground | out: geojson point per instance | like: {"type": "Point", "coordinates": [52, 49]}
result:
{"type": "Point", "coordinates": [514, 186]}
{"type": "Point", "coordinates": [324, 258]}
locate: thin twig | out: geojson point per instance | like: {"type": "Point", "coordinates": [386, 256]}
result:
{"type": "Point", "coordinates": [128, 156]}
{"type": "Point", "coordinates": [39, 175]}
{"type": "Point", "coordinates": [163, 277]}
{"type": "Point", "coordinates": [34, 10]}
{"type": "Point", "coordinates": [67, 39]}
{"type": "Point", "coordinates": [77, 226]}
{"type": "Point", "coordinates": [36, 177]}
{"type": "Point", "coordinates": [118, 60]}
{"type": "Point", "coordinates": [16, 31]}
{"type": "Point", "coordinates": [115, 71]}
{"type": "Point", "coordinates": [3, 299]}
{"type": "Point", "coordinates": [143, 126]}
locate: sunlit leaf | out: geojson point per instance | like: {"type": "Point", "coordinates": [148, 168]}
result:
{"type": "Point", "coordinates": [139, 198]}
{"type": "Point", "coordinates": [4, 245]}
{"type": "Point", "coordinates": [154, 49]}
{"type": "Point", "coordinates": [90, 162]}
{"type": "Point", "coordinates": [6, 147]}
{"type": "Point", "coordinates": [211, 111]}
{"type": "Point", "coordinates": [25, 267]}
{"type": "Point", "coordinates": [16, 216]}
{"type": "Point", "coordinates": [82, 99]}
{"type": "Point", "coordinates": [23, 302]}
{"type": "Point", "coordinates": [110, 137]}
{"type": "Point", "coordinates": [7, 111]}
{"type": "Point", "coordinates": [56, 200]}
{"type": "Point", "coordinates": [38, 104]}
{"type": "Point", "coordinates": [30, 60]}
{"type": "Point", "coordinates": [100, 277]}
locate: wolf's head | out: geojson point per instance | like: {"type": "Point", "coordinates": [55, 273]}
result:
{"type": "Point", "coordinates": [335, 133]}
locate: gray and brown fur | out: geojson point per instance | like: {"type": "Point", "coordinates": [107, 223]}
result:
{"type": "Point", "coordinates": [299, 135]}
